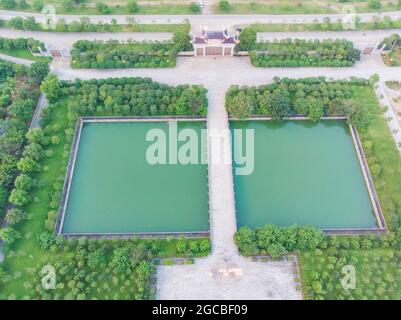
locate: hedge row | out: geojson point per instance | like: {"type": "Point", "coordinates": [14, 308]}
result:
{"type": "Point", "coordinates": [21, 43]}
{"type": "Point", "coordinates": [300, 53]}
{"type": "Point", "coordinates": [116, 54]}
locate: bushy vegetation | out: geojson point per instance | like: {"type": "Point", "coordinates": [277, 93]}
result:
{"type": "Point", "coordinates": [99, 7]}
{"type": "Point", "coordinates": [128, 96]}
{"type": "Point", "coordinates": [376, 262]}
{"type": "Point", "coordinates": [224, 5]}
{"type": "Point", "coordinates": [21, 43]}
{"type": "Point", "coordinates": [304, 53]}
{"type": "Point", "coordinates": [116, 54]}
{"type": "Point", "coordinates": [390, 41]}
{"type": "Point", "coordinates": [85, 25]}
{"type": "Point", "coordinates": [392, 47]}
{"type": "Point", "coordinates": [312, 97]}
{"type": "Point", "coordinates": [130, 54]}
{"type": "Point", "coordinates": [276, 241]}
{"type": "Point", "coordinates": [247, 39]}
{"type": "Point", "coordinates": [85, 268]}
{"type": "Point", "coordinates": [19, 92]}
{"type": "Point", "coordinates": [376, 258]}
{"type": "Point", "coordinates": [377, 22]}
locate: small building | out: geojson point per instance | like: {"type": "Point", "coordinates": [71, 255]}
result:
{"type": "Point", "coordinates": [214, 43]}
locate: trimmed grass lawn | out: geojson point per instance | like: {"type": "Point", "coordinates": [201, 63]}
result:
{"type": "Point", "coordinates": [25, 54]}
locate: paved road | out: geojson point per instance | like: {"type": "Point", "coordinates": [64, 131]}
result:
{"type": "Point", "coordinates": [16, 60]}
{"type": "Point", "coordinates": [207, 19]}
{"type": "Point", "coordinates": [218, 72]}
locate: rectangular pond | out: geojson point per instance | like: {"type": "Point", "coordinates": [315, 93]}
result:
{"type": "Point", "coordinates": [304, 173]}
{"type": "Point", "coordinates": [114, 190]}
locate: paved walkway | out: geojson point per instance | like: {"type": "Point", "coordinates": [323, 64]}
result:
{"type": "Point", "coordinates": [42, 103]}
{"type": "Point", "coordinates": [16, 60]}
{"type": "Point", "coordinates": [392, 122]}
{"type": "Point", "coordinates": [206, 19]}
{"type": "Point", "coordinates": [1, 252]}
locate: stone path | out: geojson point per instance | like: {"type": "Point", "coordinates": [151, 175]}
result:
{"type": "Point", "coordinates": [1, 252]}
{"type": "Point", "coordinates": [394, 125]}
{"type": "Point", "coordinates": [42, 103]}
{"type": "Point", "coordinates": [16, 60]}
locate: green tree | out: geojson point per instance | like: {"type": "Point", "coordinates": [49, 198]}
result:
{"type": "Point", "coordinates": [97, 258]}
{"type": "Point", "coordinates": [309, 237]}
{"type": "Point", "coordinates": [301, 106]}
{"type": "Point", "coordinates": [316, 109]}
{"type": "Point", "coordinates": [375, 4]}
{"type": "Point", "coordinates": [132, 6]}
{"type": "Point", "coordinates": [38, 71]}
{"type": "Point", "coordinates": [23, 4]}
{"type": "Point", "coordinates": [15, 216]}
{"type": "Point", "coordinates": [37, 5]}
{"type": "Point", "coordinates": [245, 240]}
{"type": "Point", "coordinates": [27, 165]}
{"type": "Point", "coordinates": [67, 5]}
{"type": "Point", "coordinates": [181, 39]}
{"type": "Point", "coordinates": [46, 240]}
{"type": "Point", "coordinates": [224, 5]}
{"type": "Point", "coordinates": [194, 7]}
{"type": "Point", "coordinates": [279, 106]}
{"type": "Point", "coordinates": [360, 116]}
{"type": "Point", "coordinates": [121, 259]}
{"type": "Point", "coordinates": [8, 4]}
{"type": "Point", "coordinates": [247, 38]}
{"type": "Point", "coordinates": [16, 23]}
{"type": "Point", "coordinates": [9, 235]}
{"type": "Point", "coordinates": [51, 87]}
{"type": "Point", "coordinates": [29, 23]}
{"type": "Point", "coordinates": [19, 197]}
{"type": "Point", "coordinates": [23, 181]}
{"type": "Point", "coordinates": [241, 106]}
